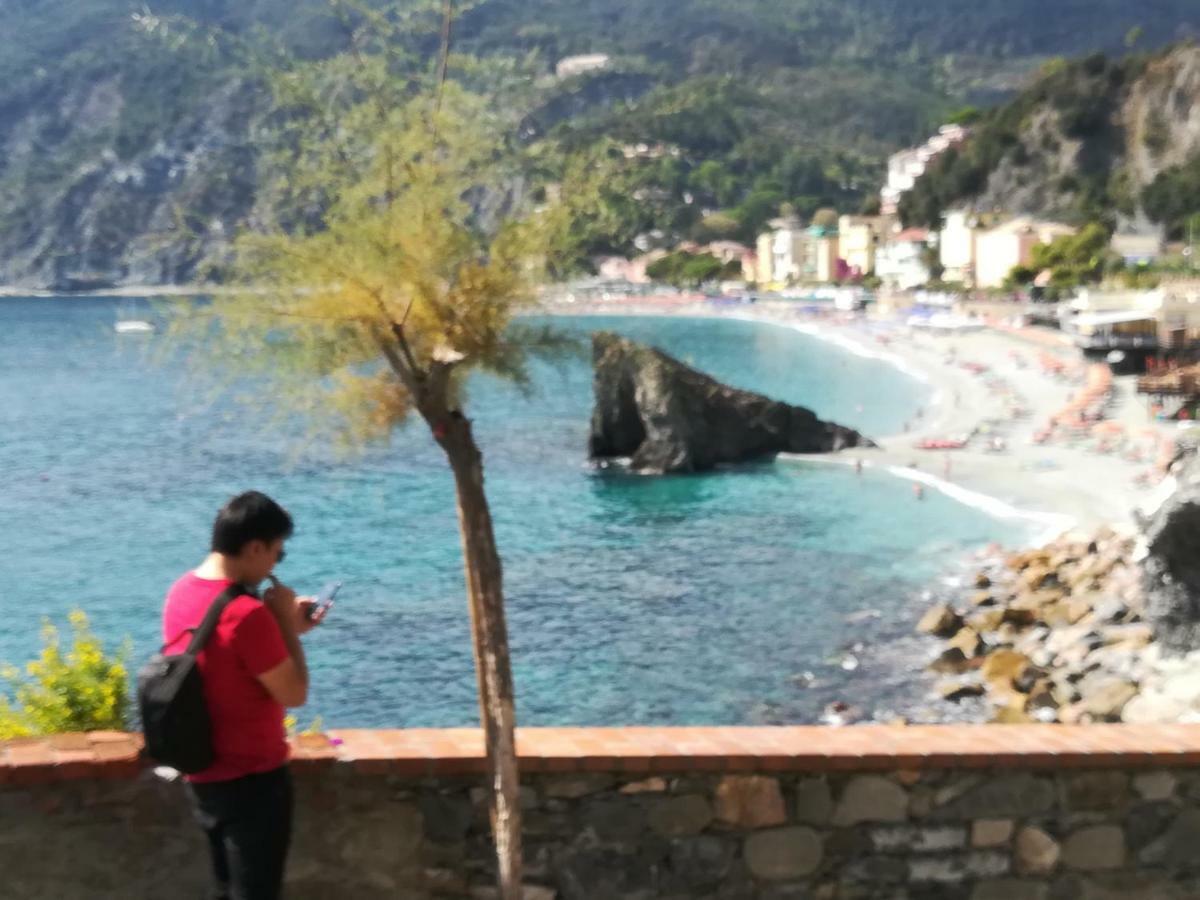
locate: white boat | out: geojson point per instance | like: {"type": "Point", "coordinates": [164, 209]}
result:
{"type": "Point", "coordinates": [134, 326]}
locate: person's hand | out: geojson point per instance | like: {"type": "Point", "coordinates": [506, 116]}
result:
{"type": "Point", "coordinates": [310, 613]}
{"type": "Point", "coordinates": [280, 599]}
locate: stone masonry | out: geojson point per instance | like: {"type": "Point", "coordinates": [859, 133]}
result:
{"type": "Point", "coordinates": [1051, 817]}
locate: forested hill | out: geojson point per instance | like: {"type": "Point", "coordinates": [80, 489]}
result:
{"type": "Point", "coordinates": [1096, 140]}
{"type": "Point", "coordinates": [123, 160]}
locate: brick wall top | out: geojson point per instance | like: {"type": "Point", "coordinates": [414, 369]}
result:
{"type": "Point", "coordinates": [459, 751]}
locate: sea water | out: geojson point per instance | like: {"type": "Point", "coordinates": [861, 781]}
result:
{"type": "Point", "coordinates": [755, 594]}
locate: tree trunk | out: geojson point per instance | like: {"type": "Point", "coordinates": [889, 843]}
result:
{"type": "Point", "coordinates": [492, 664]}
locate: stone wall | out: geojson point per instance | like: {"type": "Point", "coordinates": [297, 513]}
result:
{"type": "Point", "coordinates": [970, 813]}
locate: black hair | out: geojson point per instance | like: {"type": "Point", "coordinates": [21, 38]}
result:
{"type": "Point", "coordinates": [251, 516]}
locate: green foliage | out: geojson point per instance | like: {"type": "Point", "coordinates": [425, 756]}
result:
{"type": "Point", "coordinates": [77, 688]}
{"type": "Point", "coordinates": [966, 115]}
{"type": "Point", "coordinates": [1173, 198]}
{"type": "Point", "coordinates": [398, 214]}
{"type": "Point", "coordinates": [1157, 135]}
{"type": "Point", "coordinates": [692, 269]}
{"type": "Point", "coordinates": [1073, 260]}
{"type": "Point", "coordinates": [1081, 96]}
{"type": "Point", "coordinates": [825, 218]}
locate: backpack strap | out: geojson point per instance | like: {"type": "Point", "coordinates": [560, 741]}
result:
{"type": "Point", "coordinates": [201, 635]}
{"type": "Point", "coordinates": [205, 629]}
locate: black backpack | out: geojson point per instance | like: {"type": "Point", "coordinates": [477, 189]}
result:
{"type": "Point", "coordinates": [171, 698]}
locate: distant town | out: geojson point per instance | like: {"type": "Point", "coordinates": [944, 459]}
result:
{"type": "Point", "coordinates": [1153, 309]}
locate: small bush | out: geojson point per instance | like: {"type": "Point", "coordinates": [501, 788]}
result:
{"type": "Point", "coordinates": [80, 688]}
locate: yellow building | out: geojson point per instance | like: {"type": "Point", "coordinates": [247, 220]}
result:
{"type": "Point", "coordinates": [858, 242]}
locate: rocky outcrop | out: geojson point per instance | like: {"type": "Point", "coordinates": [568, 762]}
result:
{"type": "Point", "coordinates": [1171, 568]}
{"type": "Point", "coordinates": [666, 417]}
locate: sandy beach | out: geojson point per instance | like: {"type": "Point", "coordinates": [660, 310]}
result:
{"type": "Point", "coordinates": [991, 384]}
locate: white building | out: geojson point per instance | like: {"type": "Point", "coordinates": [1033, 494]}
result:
{"type": "Point", "coordinates": [905, 167]}
{"type": "Point", "coordinates": [900, 262]}
{"type": "Point", "coordinates": [956, 247]}
{"type": "Point", "coordinates": [1167, 317]}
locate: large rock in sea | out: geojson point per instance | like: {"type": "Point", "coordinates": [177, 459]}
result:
{"type": "Point", "coordinates": [667, 417]}
{"type": "Point", "coordinates": [1171, 567]}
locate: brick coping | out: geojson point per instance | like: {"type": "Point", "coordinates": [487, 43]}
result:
{"type": "Point", "coordinates": [639, 751]}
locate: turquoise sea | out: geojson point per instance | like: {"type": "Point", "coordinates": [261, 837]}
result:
{"type": "Point", "coordinates": [632, 600]}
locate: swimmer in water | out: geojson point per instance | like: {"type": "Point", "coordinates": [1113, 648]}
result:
{"type": "Point", "coordinates": [918, 490]}
{"type": "Point", "coordinates": [858, 466]}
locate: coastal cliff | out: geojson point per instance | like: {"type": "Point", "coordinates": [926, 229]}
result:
{"type": "Point", "coordinates": [1111, 139]}
{"type": "Point", "coordinates": [667, 417]}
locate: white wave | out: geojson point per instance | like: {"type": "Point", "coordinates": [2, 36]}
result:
{"type": "Point", "coordinates": [1052, 524]}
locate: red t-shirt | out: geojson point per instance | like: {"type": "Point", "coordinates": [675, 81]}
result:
{"type": "Point", "coordinates": [247, 724]}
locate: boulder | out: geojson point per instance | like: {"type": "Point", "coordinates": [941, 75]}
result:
{"type": "Point", "coordinates": [967, 640]}
{"type": "Point", "coordinates": [666, 417]}
{"type": "Point", "coordinates": [1003, 667]}
{"type": "Point", "coordinates": [1171, 564]}
{"type": "Point", "coordinates": [952, 661]}
{"type": "Point", "coordinates": [940, 620]}
{"type": "Point", "coordinates": [1105, 696]}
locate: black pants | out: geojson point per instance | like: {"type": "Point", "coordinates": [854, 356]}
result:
{"type": "Point", "coordinates": [249, 825]}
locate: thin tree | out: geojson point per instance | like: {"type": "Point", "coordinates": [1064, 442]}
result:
{"type": "Point", "coordinates": [399, 262]}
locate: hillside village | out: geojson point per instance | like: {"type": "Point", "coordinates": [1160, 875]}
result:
{"type": "Point", "coordinates": [1139, 294]}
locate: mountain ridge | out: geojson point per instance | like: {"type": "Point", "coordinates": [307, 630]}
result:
{"type": "Point", "coordinates": [124, 163]}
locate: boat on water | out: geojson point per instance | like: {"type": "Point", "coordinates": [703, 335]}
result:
{"type": "Point", "coordinates": [134, 326]}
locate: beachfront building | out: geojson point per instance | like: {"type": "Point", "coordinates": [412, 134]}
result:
{"type": "Point", "coordinates": [902, 261]}
{"type": "Point", "coordinates": [957, 247]}
{"type": "Point", "coordinates": [858, 243]}
{"type": "Point", "coordinates": [1167, 318]}
{"type": "Point", "coordinates": [1000, 250]}
{"type": "Point", "coordinates": [905, 167]}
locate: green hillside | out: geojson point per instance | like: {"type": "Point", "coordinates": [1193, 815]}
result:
{"type": "Point", "coordinates": [126, 160]}
{"type": "Point", "coordinates": [1097, 140]}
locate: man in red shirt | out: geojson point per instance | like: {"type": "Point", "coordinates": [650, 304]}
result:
{"type": "Point", "coordinates": [252, 668]}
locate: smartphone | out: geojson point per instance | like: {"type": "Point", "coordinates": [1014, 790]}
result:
{"type": "Point", "coordinates": [325, 598]}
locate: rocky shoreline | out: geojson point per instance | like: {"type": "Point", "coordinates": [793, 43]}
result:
{"type": "Point", "coordinates": [1054, 634]}
{"type": "Point", "coordinates": [1092, 627]}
